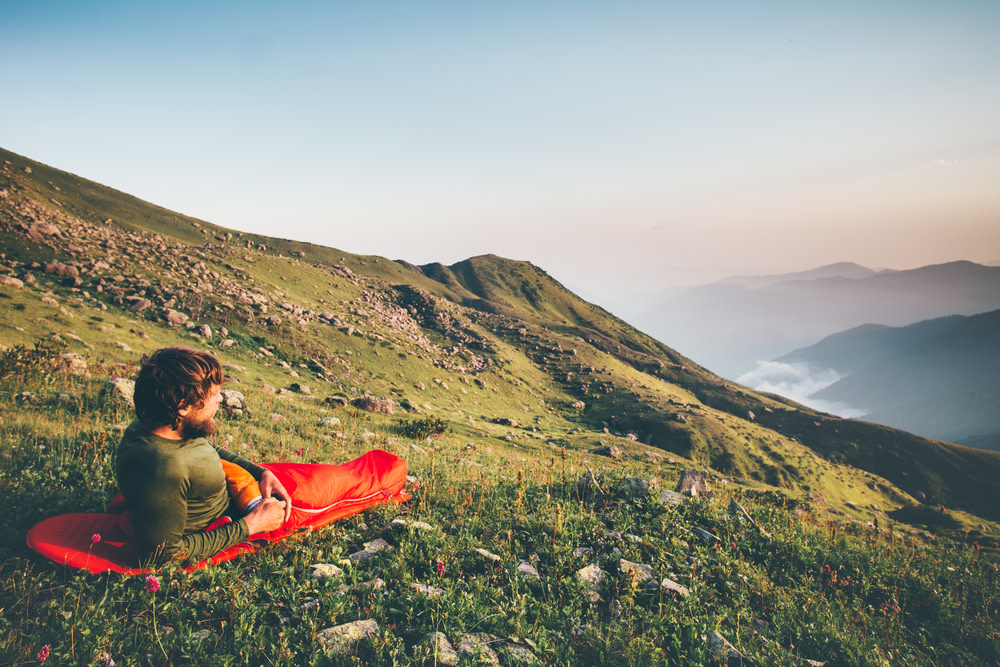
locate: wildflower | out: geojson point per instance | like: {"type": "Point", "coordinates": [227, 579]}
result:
{"type": "Point", "coordinates": [43, 654]}
{"type": "Point", "coordinates": [95, 538]}
{"type": "Point", "coordinates": [152, 584]}
{"type": "Point", "coordinates": [440, 567]}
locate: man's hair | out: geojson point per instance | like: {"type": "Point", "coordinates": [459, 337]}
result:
{"type": "Point", "coordinates": [173, 378]}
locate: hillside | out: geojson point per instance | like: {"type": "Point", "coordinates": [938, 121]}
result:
{"type": "Point", "coordinates": [484, 340]}
{"type": "Point", "coordinates": [731, 325]}
{"type": "Point", "coordinates": [936, 378]}
{"type": "Point", "coordinates": [535, 425]}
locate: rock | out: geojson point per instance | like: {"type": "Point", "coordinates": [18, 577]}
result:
{"type": "Point", "coordinates": [527, 570]}
{"type": "Point", "coordinates": [608, 450]}
{"type": "Point", "coordinates": [654, 457]}
{"type": "Point", "coordinates": [668, 497]}
{"type": "Point", "coordinates": [436, 644]}
{"type": "Point", "coordinates": [73, 363]}
{"type": "Point", "coordinates": [175, 318]}
{"type": "Point", "coordinates": [642, 574]}
{"type": "Point", "coordinates": [504, 421]}
{"type": "Point", "coordinates": [375, 404]}
{"type": "Point", "coordinates": [140, 305]}
{"type": "Point", "coordinates": [203, 330]}
{"type": "Point", "coordinates": [476, 646]}
{"type": "Point", "coordinates": [324, 570]}
{"type": "Point", "coordinates": [371, 549]}
{"type": "Point", "coordinates": [300, 388]}
{"type": "Point", "coordinates": [693, 483]}
{"type": "Point", "coordinates": [723, 651]}
{"type": "Point", "coordinates": [341, 638]}
{"type": "Point", "coordinates": [634, 487]}
{"type": "Point", "coordinates": [592, 578]}
{"type": "Point", "coordinates": [705, 536]}
{"type": "Point", "coordinates": [330, 422]}
{"type": "Point", "coordinates": [486, 556]}
{"type": "Point", "coordinates": [227, 343]}
{"type": "Point", "coordinates": [672, 587]}
{"type": "Point", "coordinates": [10, 281]}
{"type": "Point", "coordinates": [120, 387]}
{"type": "Point", "coordinates": [62, 270]}
{"type": "Point", "coordinates": [579, 405]}
{"type": "Point", "coordinates": [738, 510]}
{"type": "Point", "coordinates": [338, 401]}
{"type": "Point", "coordinates": [404, 524]}
{"type": "Point", "coordinates": [234, 402]}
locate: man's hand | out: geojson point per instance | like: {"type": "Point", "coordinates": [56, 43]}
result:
{"type": "Point", "coordinates": [270, 487]}
{"type": "Point", "coordinates": [268, 515]}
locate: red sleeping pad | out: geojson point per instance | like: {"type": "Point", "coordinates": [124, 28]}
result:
{"type": "Point", "coordinates": [321, 493]}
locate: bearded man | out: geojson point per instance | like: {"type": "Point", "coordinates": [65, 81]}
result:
{"type": "Point", "coordinates": [172, 476]}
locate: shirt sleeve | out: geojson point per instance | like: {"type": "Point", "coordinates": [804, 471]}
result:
{"type": "Point", "coordinates": [159, 516]}
{"type": "Point", "coordinates": [233, 457]}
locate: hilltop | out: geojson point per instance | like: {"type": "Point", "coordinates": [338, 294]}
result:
{"type": "Point", "coordinates": [535, 424]}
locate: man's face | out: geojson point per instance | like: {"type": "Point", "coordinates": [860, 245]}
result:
{"type": "Point", "coordinates": [200, 422]}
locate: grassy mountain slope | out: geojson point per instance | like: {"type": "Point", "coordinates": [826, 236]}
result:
{"type": "Point", "coordinates": [486, 339]}
{"type": "Point", "coordinates": [528, 380]}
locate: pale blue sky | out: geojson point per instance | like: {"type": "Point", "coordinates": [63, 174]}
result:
{"type": "Point", "coordinates": [620, 146]}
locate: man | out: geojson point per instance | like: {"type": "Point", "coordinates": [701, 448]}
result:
{"type": "Point", "coordinates": [172, 476]}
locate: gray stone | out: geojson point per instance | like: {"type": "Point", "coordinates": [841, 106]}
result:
{"type": "Point", "coordinates": [371, 549]}
{"type": "Point", "coordinates": [592, 578]}
{"type": "Point", "coordinates": [668, 497]}
{"type": "Point", "coordinates": [672, 587]}
{"type": "Point", "coordinates": [642, 574]}
{"type": "Point", "coordinates": [436, 644]}
{"type": "Point", "coordinates": [693, 483]}
{"type": "Point", "coordinates": [723, 651]}
{"type": "Point", "coordinates": [324, 570]}
{"type": "Point", "coordinates": [341, 639]}
{"type": "Point", "coordinates": [477, 647]}
{"type": "Point", "coordinates": [527, 570]}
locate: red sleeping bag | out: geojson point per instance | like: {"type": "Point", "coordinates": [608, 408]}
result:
{"type": "Point", "coordinates": [321, 493]}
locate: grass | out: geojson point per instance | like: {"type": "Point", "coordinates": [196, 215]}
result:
{"type": "Point", "coordinates": [818, 586]}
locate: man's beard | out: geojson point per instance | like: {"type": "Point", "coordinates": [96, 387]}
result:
{"type": "Point", "coordinates": [201, 428]}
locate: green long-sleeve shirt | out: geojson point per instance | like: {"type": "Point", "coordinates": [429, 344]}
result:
{"type": "Point", "coordinates": [173, 489]}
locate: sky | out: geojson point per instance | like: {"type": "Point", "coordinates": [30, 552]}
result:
{"type": "Point", "coordinates": [626, 148]}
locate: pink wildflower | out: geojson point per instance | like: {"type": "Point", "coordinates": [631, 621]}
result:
{"type": "Point", "coordinates": [440, 567]}
{"type": "Point", "coordinates": [43, 654]}
{"type": "Point", "coordinates": [152, 584]}
{"type": "Point", "coordinates": [95, 538]}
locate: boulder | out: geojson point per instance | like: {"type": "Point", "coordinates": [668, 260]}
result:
{"type": "Point", "coordinates": [341, 638]}
{"type": "Point", "coordinates": [694, 484]}
{"type": "Point", "coordinates": [375, 404]}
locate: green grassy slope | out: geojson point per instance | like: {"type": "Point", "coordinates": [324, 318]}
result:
{"type": "Point", "coordinates": [481, 340]}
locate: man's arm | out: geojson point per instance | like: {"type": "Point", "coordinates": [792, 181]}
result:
{"type": "Point", "coordinates": [270, 485]}
{"type": "Point", "coordinates": [159, 517]}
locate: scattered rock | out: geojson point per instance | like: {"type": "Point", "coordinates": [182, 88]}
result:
{"type": "Point", "coordinates": [10, 281]}
{"type": "Point", "coordinates": [592, 578]}
{"type": "Point", "coordinates": [331, 422]}
{"type": "Point", "coordinates": [371, 549]}
{"type": "Point", "coordinates": [527, 570]}
{"type": "Point", "coordinates": [300, 388]}
{"type": "Point", "coordinates": [724, 651]}
{"type": "Point", "coordinates": [579, 405]}
{"type": "Point", "coordinates": [476, 646]}
{"type": "Point", "coordinates": [436, 644]}
{"type": "Point", "coordinates": [642, 574]}
{"type": "Point", "coordinates": [693, 483]}
{"type": "Point", "coordinates": [608, 450]}
{"type": "Point", "coordinates": [175, 318]}
{"type": "Point", "coordinates": [375, 404]}
{"type": "Point", "coordinates": [120, 387]}
{"type": "Point", "coordinates": [234, 402]}
{"type": "Point", "coordinates": [429, 591]}
{"type": "Point", "coordinates": [634, 487]}
{"type": "Point", "coordinates": [204, 331]}
{"type": "Point", "coordinates": [341, 638]}
{"type": "Point", "coordinates": [73, 363]}
{"type": "Point", "coordinates": [668, 497]}
{"type": "Point", "coordinates": [324, 570]}
{"type": "Point", "coordinates": [672, 587]}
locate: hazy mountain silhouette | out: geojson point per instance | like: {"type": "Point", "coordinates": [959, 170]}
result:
{"type": "Point", "coordinates": [729, 325]}
{"type": "Point", "coordinates": [937, 378]}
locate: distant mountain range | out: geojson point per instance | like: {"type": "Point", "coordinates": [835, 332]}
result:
{"type": "Point", "coordinates": [937, 378]}
{"type": "Point", "coordinates": [729, 326]}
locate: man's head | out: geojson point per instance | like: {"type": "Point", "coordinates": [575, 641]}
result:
{"type": "Point", "coordinates": [173, 386]}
